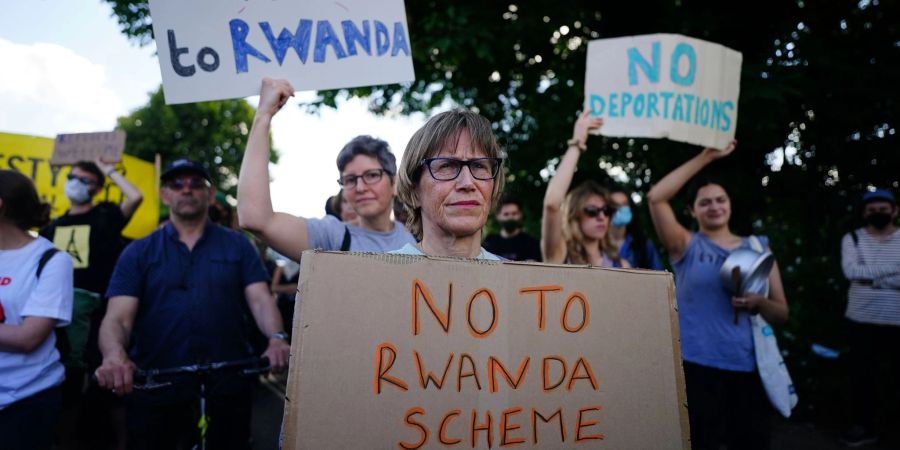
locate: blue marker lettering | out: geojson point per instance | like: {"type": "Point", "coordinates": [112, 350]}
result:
{"type": "Point", "coordinates": [704, 113]}
{"type": "Point", "coordinates": [666, 96]}
{"type": "Point", "coordinates": [597, 105]}
{"type": "Point", "coordinates": [716, 115]}
{"type": "Point", "coordinates": [352, 35]}
{"type": "Point", "coordinates": [683, 49]}
{"type": "Point", "coordinates": [651, 105]}
{"type": "Point", "coordinates": [678, 113]}
{"type": "Point", "coordinates": [325, 36]}
{"type": "Point", "coordinates": [626, 100]}
{"type": "Point", "coordinates": [612, 105]}
{"type": "Point", "coordinates": [727, 106]}
{"type": "Point", "coordinates": [239, 32]}
{"type": "Point", "coordinates": [399, 40]}
{"type": "Point", "coordinates": [635, 60]}
{"type": "Point", "coordinates": [639, 105]}
{"type": "Point", "coordinates": [382, 38]}
{"type": "Point", "coordinates": [299, 40]}
{"type": "Point", "coordinates": [689, 98]}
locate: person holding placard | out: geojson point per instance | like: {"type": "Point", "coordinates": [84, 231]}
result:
{"type": "Point", "coordinates": [449, 180]}
{"type": "Point", "coordinates": [575, 226]}
{"type": "Point", "coordinates": [724, 390]}
{"type": "Point", "coordinates": [367, 171]}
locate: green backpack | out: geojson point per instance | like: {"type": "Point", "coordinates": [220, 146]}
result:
{"type": "Point", "coordinates": [71, 340]}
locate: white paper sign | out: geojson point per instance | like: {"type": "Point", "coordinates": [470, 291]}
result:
{"type": "Point", "coordinates": [664, 86]}
{"type": "Point", "coordinates": [219, 49]}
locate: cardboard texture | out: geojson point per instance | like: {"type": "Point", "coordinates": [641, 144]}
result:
{"type": "Point", "coordinates": [367, 324]}
{"type": "Point", "coordinates": [664, 86]}
{"type": "Point", "coordinates": [71, 148]}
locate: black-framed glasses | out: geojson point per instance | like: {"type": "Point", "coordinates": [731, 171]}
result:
{"type": "Point", "coordinates": [84, 180]}
{"type": "Point", "coordinates": [447, 169]}
{"type": "Point", "coordinates": [181, 183]}
{"type": "Point", "coordinates": [594, 211]}
{"type": "Point", "coordinates": [369, 177]}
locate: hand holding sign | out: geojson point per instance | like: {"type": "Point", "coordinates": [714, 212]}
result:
{"type": "Point", "coordinates": [273, 94]}
{"type": "Point", "coordinates": [713, 154]}
{"type": "Point", "coordinates": [584, 125]}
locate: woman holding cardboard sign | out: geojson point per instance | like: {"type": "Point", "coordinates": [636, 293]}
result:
{"type": "Point", "coordinates": [723, 387]}
{"type": "Point", "coordinates": [575, 226]}
{"type": "Point", "coordinates": [449, 180]}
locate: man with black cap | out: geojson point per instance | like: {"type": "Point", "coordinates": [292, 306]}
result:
{"type": "Point", "coordinates": [870, 258]}
{"type": "Point", "coordinates": [180, 297]}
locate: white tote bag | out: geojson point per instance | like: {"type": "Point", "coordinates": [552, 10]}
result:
{"type": "Point", "coordinates": [772, 371]}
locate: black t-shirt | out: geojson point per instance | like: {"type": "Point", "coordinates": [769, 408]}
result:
{"type": "Point", "coordinates": [520, 247]}
{"type": "Point", "coordinates": [94, 240]}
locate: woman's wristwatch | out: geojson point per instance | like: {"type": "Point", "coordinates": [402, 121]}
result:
{"type": "Point", "coordinates": [280, 335]}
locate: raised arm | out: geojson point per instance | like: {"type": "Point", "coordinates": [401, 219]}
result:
{"type": "Point", "coordinates": [286, 233]}
{"type": "Point", "coordinates": [675, 238]}
{"type": "Point", "coordinates": [133, 196]}
{"type": "Point", "coordinates": [553, 246]}
{"type": "Point", "coordinates": [117, 370]}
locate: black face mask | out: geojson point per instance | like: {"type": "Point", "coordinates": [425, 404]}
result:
{"type": "Point", "coordinates": [510, 225]}
{"type": "Point", "coordinates": [879, 220]}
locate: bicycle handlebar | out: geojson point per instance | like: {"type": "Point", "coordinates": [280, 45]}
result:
{"type": "Point", "coordinates": [251, 366]}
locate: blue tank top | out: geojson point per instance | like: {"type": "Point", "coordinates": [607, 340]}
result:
{"type": "Point", "coordinates": [709, 336]}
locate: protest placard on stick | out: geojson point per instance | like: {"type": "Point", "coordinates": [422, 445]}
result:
{"type": "Point", "coordinates": [396, 351]}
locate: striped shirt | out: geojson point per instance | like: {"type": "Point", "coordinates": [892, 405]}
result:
{"type": "Point", "coordinates": [873, 267]}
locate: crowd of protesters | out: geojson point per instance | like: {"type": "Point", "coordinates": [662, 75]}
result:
{"type": "Point", "coordinates": [197, 290]}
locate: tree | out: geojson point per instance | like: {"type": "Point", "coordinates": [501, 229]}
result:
{"type": "Point", "coordinates": [212, 132]}
{"type": "Point", "coordinates": [817, 119]}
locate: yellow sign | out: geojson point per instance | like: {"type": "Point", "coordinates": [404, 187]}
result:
{"type": "Point", "coordinates": [30, 155]}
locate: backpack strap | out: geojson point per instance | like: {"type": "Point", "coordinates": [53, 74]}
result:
{"type": "Point", "coordinates": [45, 257]}
{"type": "Point", "coordinates": [345, 245]}
{"type": "Point", "coordinates": [855, 238]}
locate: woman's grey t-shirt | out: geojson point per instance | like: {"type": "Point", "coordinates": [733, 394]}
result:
{"type": "Point", "coordinates": [328, 234]}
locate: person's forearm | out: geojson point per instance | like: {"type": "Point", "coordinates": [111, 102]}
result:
{"type": "Point", "coordinates": [254, 199]}
{"type": "Point", "coordinates": [25, 337]}
{"type": "Point", "coordinates": [669, 185]}
{"type": "Point", "coordinates": [776, 313]}
{"type": "Point", "coordinates": [562, 179]}
{"type": "Point", "coordinates": [267, 317]}
{"type": "Point", "coordinates": [113, 339]}
{"type": "Point", "coordinates": [133, 196]}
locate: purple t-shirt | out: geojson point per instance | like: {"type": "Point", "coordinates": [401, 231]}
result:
{"type": "Point", "coordinates": [709, 336]}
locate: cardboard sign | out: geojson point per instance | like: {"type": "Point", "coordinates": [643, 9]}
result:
{"type": "Point", "coordinates": [664, 86]}
{"type": "Point", "coordinates": [71, 148]}
{"type": "Point", "coordinates": [397, 351]}
{"type": "Point", "coordinates": [218, 49]}
{"type": "Point", "coordinates": [30, 155]}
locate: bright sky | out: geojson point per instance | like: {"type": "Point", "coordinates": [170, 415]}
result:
{"type": "Point", "coordinates": [67, 68]}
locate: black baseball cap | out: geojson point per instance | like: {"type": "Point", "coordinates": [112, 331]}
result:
{"type": "Point", "coordinates": [184, 165]}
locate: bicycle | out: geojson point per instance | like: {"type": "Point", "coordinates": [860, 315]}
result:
{"type": "Point", "coordinates": [246, 367]}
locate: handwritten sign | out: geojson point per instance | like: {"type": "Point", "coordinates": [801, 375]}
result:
{"type": "Point", "coordinates": [218, 49]}
{"type": "Point", "coordinates": [664, 86]}
{"type": "Point", "coordinates": [71, 148]}
{"type": "Point", "coordinates": [31, 155]}
{"type": "Point", "coordinates": [395, 351]}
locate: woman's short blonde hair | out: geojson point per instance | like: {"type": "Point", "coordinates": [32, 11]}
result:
{"type": "Point", "coordinates": [441, 131]}
{"type": "Point", "coordinates": [572, 206]}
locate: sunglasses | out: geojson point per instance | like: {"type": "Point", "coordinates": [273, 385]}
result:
{"type": "Point", "coordinates": [593, 211]}
{"type": "Point", "coordinates": [84, 180]}
{"type": "Point", "coordinates": [181, 183]}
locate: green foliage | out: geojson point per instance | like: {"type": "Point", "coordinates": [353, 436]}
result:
{"type": "Point", "coordinates": [817, 119]}
{"type": "Point", "coordinates": [211, 132]}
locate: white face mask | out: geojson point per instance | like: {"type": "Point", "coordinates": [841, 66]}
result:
{"type": "Point", "coordinates": [77, 192]}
